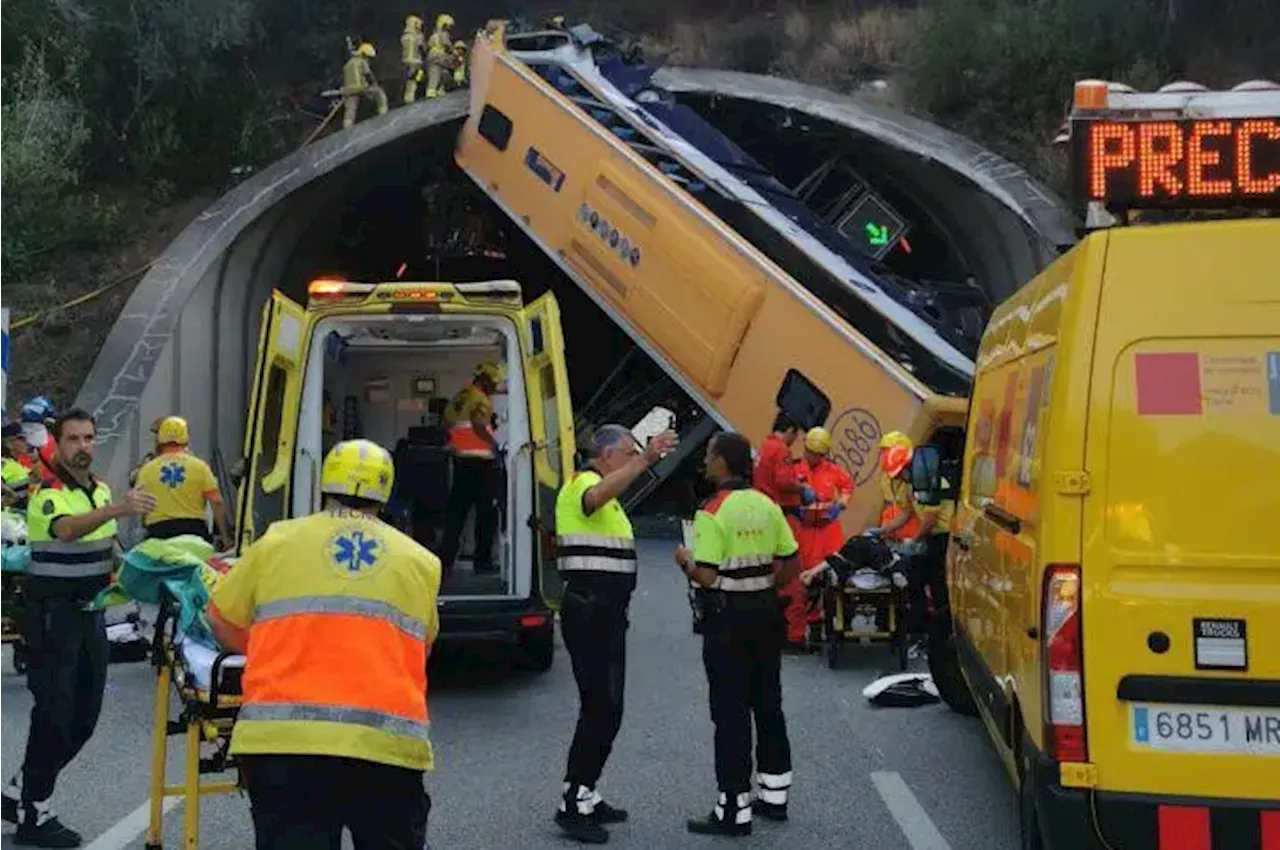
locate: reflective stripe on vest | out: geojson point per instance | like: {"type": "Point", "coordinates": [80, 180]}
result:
{"type": "Point", "coordinates": [71, 559]}
{"type": "Point", "coordinates": [465, 442]}
{"type": "Point", "coordinates": [596, 553]}
{"type": "Point", "coordinates": [411, 626]}
{"type": "Point", "coordinates": [745, 574]}
{"type": "Point", "coordinates": [267, 711]}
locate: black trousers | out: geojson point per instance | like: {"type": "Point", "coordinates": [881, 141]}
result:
{"type": "Point", "coordinates": [67, 656]}
{"type": "Point", "coordinates": [475, 485]}
{"type": "Point", "coordinates": [594, 625]}
{"type": "Point", "coordinates": [304, 802]}
{"type": "Point", "coordinates": [742, 654]}
{"type": "Point", "coordinates": [927, 570]}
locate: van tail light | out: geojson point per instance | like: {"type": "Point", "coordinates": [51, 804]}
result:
{"type": "Point", "coordinates": [1065, 739]}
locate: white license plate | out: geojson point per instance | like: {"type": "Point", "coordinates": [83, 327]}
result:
{"type": "Point", "coordinates": [1205, 729]}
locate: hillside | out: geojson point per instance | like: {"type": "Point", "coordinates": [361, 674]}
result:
{"type": "Point", "coordinates": [121, 120]}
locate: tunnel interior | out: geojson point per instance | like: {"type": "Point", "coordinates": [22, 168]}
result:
{"type": "Point", "coordinates": [408, 212]}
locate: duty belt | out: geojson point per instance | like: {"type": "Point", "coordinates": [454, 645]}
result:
{"type": "Point", "coordinates": [596, 553]}
{"type": "Point", "coordinates": [745, 574]}
{"type": "Point", "coordinates": [73, 559]}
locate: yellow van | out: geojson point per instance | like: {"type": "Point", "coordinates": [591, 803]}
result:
{"type": "Point", "coordinates": [1114, 565]}
{"type": "Point", "coordinates": [380, 361]}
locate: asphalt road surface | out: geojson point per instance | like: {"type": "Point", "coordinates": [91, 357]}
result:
{"type": "Point", "coordinates": [916, 779]}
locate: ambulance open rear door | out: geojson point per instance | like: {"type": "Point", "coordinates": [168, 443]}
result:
{"type": "Point", "coordinates": [272, 425]}
{"type": "Point", "coordinates": [550, 429]}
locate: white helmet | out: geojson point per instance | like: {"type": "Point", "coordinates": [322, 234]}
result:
{"type": "Point", "coordinates": [13, 529]}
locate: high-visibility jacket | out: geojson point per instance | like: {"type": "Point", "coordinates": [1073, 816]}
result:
{"type": "Point", "coordinates": [356, 75]}
{"type": "Point", "coordinates": [897, 500]}
{"type": "Point", "coordinates": [945, 511]}
{"type": "Point", "coordinates": [739, 532]}
{"type": "Point", "coordinates": [776, 471]}
{"type": "Point", "coordinates": [463, 439]}
{"type": "Point", "coordinates": [182, 485]}
{"type": "Point", "coordinates": [411, 44]}
{"type": "Point", "coordinates": [92, 557]}
{"type": "Point", "coordinates": [341, 612]}
{"type": "Point", "coordinates": [438, 45]}
{"type": "Point", "coordinates": [18, 479]}
{"type": "Point", "coordinates": [599, 546]}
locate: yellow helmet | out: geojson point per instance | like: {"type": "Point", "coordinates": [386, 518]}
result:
{"type": "Point", "coordinates": [895, 438]}
{"type": "Point", "coordinates": [818, 441]}
{"type": "Point", "coordinates": [173, 430]}
{"type": "Point", "coordinates": [366, 50]}
{"type": "Point", "coordinates": [491, 370]}
{"type": "Point", "coordinates": [412, 22]}
{"type": "Point", "coordinates": [459, 47]}
{"type": "Point", "coordinates": [360, 468]}
{"type": "Point", "coordinates": [443, 22]}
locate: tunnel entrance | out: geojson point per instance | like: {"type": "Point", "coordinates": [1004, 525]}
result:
{"type": "Point", "coordinates": [411, 214]}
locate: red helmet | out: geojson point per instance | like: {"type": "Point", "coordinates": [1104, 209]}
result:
{"type": "Point", "coordinates": [895, 459]}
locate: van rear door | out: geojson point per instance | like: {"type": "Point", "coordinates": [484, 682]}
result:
{"type": "Point", "coordinates": [272, 424]}
{"type": "Point", "coordinates": [550, 427]}
{"type": "Point", "coordinates": [1182, 522]}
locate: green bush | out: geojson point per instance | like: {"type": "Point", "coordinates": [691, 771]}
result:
{"type": "Point", "coordinates": [41, 156]}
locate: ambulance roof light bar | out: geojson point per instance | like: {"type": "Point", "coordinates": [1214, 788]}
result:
{"type": "Point", "coordinates": [332, 287]}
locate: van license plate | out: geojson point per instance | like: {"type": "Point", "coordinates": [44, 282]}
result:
{"type": "Point", "coordinates": [1205, 729]}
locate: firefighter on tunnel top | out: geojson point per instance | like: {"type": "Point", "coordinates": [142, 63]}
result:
{"type": "Point", "coordinates": [359, 83]}
{"type": "Point", "coordinates": [439, 58]}
{"type": "Point", "coordinates": [413, 45]}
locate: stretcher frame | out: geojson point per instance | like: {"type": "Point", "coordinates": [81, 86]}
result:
{"type": "Point", "coordinates": [837, 600]}
{"type": "Point", "coordinates": [206, 716]}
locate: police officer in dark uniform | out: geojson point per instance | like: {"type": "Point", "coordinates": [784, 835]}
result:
{"type": "Point", "coordinates": [743, 547]}
{"type": "Point", "coordinates": [71, 527]}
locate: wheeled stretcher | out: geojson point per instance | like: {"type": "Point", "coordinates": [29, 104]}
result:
{"type": "Point", "coordinates": [208, 686]}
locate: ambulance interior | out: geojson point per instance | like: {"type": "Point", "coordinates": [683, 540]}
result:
{"type": "Point", "coordinates": [388, 378]}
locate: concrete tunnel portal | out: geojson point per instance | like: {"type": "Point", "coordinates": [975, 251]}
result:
{"type": "Point", "coordinates": [358, 203]}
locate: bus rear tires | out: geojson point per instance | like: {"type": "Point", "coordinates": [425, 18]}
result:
{"type": "Point", "coordinates": [944, 667]}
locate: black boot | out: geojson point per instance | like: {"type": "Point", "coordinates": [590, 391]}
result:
{"type": "Point", "coordinates": [731, 816]}
{"type": "Point", "coordinates": [576, 815]}
{"type": "Point", "coordinates": [771, 799]}
{"type": "Point", "coordinates": [40, 827]}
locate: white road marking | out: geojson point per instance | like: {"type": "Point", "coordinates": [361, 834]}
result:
{"type": "Point", "coordinates": [134, 824]}
{"type": "Point", "coordinates": [912, 819]}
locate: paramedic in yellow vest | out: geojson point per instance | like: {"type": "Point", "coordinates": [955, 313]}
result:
{"type": "Point", "coordinates": [439, 60]}
{"type": "Point", "coordinates": [469, 418]}
{"type": "Point", "coordinates": [743, 547]}
{"type": "Point", "coordinates": [596, 554]}
{"type": "Point", "coordinates": [412, 46]}
{"type": "Point", "coordinates": [17, 477]}
{"type": "Point", "coordinates": [182, 485]}
{"type": "Point", "coordinates": [71, 528]}
{"type": "Point", "coordinates": [898, 520]}
{"type": "Point", "coordinates": [460, 64]}
{"type": "Point", "coordinates": [336, 613]}
{"type": "Point", "coordinates": [359, 83]}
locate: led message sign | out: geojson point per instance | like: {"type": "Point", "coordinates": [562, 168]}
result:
{"type": "Point", "coordinates": [1175, 163]}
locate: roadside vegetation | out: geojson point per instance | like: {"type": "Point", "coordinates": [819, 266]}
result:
{"type": "Point", "coordinates": [122, 117]}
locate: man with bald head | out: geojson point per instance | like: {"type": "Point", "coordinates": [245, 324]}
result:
{"type": "Point", "coordinates": [597, 558]}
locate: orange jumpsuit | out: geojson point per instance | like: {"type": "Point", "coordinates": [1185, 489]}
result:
{"type": "Point", "coordinates": [818, 535]}
{"type": "Point", "coordinates": [777, 473]}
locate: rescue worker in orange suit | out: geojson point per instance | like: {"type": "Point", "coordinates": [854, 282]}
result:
{"type": "Point", "coordinates": [826, 495]}
{"type": "Point", "coordinates": [71, 528]}
{"type": "Point", "coordinates": [182, 485]}
{"type": "Point", "coordinates": [336, 613]}
{"type": "Point", "coordinates": [898, 520]}
{"type": "Point", "coordinates": [469, 418]}
{"type": "Point", "coordinates": [777, 473]}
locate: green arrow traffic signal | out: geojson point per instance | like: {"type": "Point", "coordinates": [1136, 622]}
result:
{"type": "Point", "coordinates": [877, 234]}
